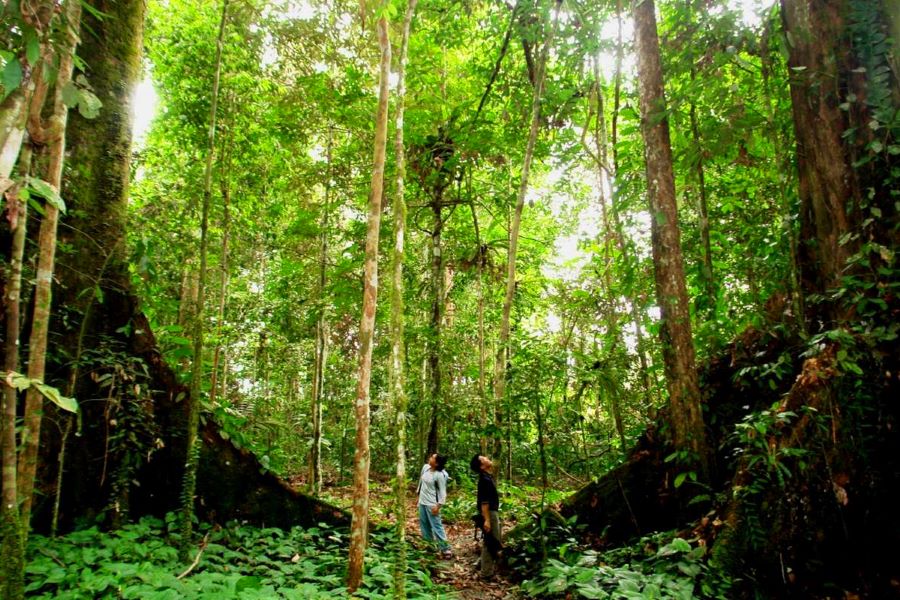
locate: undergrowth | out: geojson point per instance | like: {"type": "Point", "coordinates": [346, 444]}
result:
{"type": "Point", "coordinates": [238, 562]}
{"type": "Point", "coordinates": [659, 566]}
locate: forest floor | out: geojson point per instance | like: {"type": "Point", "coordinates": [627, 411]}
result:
{"type": "Point", "coordinates": [462, 571]}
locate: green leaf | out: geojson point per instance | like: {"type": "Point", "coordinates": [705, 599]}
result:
{"type": "Point", "coordinates": [47, 192]}
{"type": "Point", "coordinates": [18, 381]}
{"type": "Point", "coordinates": [88, 104]}
{"type": "Point", "coordinates": [32, 46]}
{"type": "Point", "coordinates": [70, 95]}
{"type": "Point", "coordinates": [52, 394]}
{"type": "Point", "coordinates": [12, 77]}
{"type": "Point", "coordinates": [679, 479]}
{"type": "Point", "coordinates": [247, 583]}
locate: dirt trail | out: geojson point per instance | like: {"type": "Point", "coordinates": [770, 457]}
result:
{"type": "Point", "coordinates": [461, 572]}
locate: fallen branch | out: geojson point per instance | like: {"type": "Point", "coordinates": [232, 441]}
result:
{"type": "Point", "coordinates": [196, 558]}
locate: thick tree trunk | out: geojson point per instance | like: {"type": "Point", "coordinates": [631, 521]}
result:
{"type": "Point", "coordinates": [398, 373]}
{"type": "Point", "coordinates": [671, 289]}
{"type": "Point", "coordinates": [359, 527]}
{"type": "Point", "coordinates": [37, 344]}
{"type": "Point", "coordinates": [827, 181]}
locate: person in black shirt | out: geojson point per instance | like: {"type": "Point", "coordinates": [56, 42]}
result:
{"type": "Point", "coordinates": [488, 502]}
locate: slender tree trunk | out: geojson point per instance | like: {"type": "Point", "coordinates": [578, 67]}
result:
{"type": "Point", "coordinates": [15, 108]}
{"type": "Point", "coordinates": [11, 532]}
{"type": "Point", "coordinates": [37, 345]}
{"type": "Point", "coordinates": [321, 358]}
{"type": "Point", "coordinates": [482, 393]}
{"type": "Point", "coordinates": [617, 222]}
{"type": "Point", "coordinates": [707, 304]}
{"type": "Point", "coordinates": [785, 171]}
{"type": "Point", "coordinates": [193, 444]}
{"type": "Point", "coordinates": [437, 306]}
{"type": "Point", "coordinates": [503, 347]}
{"type": "Point", "coordinates": [223, 279]}
{"type": "Point", "coordinates": [359, 527]}
{"type": "Point", "coordinates": [709, 282]}
{"type": "Point", "coordinates": [671, 289]}
{"type": "Point", "coordinates": [398, 374]}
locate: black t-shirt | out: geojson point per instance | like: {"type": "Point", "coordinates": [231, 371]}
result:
{"type": "Point", "coordinates": [487, 492]}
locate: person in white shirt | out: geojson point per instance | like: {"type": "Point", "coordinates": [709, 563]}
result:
{"type": "Point", "coordinates": [432, 495]}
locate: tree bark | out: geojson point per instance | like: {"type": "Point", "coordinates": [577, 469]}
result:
{"type": "Point", "coordinates": [614, 209]}
{"type": "Point", "coordinates": [193, 450]}
{"type": "Point", "coordinates": [223, 277]}
{"type": "Point", "coordinates": [398, 373]}
{"type": "Point", "coordinates": [671, 289]}
{"type": "Point", "coordinates": [828, 183]}
{"type": "Point", "coordinates": [13, 553]}
{"type": "Point", "coordinates": [37, 345]}
{"type": "Point", "coordinates": [359, 526]}
{"type": "Point", "coordinates": [15, 108]}
{"type": "Point", "coordinates": [437, 316]}
{"type": "Point", "coordinates": [321, 357]}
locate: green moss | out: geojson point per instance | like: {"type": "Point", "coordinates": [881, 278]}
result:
{"type": "Point", "coordinates": [12, 558]}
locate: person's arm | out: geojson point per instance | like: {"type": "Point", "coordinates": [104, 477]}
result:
{"type": "Point", "coordinates": [486, 513]}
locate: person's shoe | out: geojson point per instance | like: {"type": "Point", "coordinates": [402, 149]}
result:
{"type": "Point", "coordinates": [446, 554]}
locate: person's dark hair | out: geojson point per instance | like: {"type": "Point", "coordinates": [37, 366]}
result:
{"type": "Point", "coordinates": [440, 461]}
{"type": "Point", "coordinates": [475, 463]}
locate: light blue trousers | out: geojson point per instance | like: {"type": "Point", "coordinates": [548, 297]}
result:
{"type": "Point", "coordinates": [432, 528]}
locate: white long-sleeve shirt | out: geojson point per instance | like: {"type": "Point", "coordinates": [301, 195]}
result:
{"type": "Point", "coordinates": [432, 486]}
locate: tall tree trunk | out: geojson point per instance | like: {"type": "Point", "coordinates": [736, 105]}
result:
{"type": "Point", "coordinates": [706, 269]}
{"type": "Point", "coordinates": [785, 175]}
{"type": "Point", "coordinates": [359, 527]}
{"type": "Point", "coordinates": [481, 256]}
{"type": "Point", "coordinates": [96, 186]}
{"type": "Point", "coordinates": [193, 445]}
{"type": "Point", "coordinates": [11, 534]}
{"type": "Point", "coordinates": [437, 316]}
{"type": "Point", "coordinates": [503, 346]}
{"type": "Point", "coordinates": [614, 209]}
{"type": "Point", "coordinates": [37, 345]}
{"type": "Point", "coordinates": [705, 304]}
{"type": "Point", "coordinates": [671, 289]}
{"type": "Point", "coordinates": [828, 183]}
{"type": "Point", "coordinates": [225, 185]}
{"type": "Point", "coordinates": [398, 374]}
{"type": "Point", "coordinates": [321, 355]}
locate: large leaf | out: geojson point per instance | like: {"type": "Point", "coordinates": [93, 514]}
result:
{"type": "Point", "coordinates": [12, 76]}
{"type": "Point", "coordinates": [53, 395]}
{"type": "Point", "coordinates": [88, 104]}
{"type": "Point", "coordinates": [23, 382]}
{"type": "Point", "coordinates": [47, 192]}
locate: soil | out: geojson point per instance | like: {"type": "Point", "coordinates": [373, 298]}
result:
{"type": "Point", "coordinates": [461, 571]}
